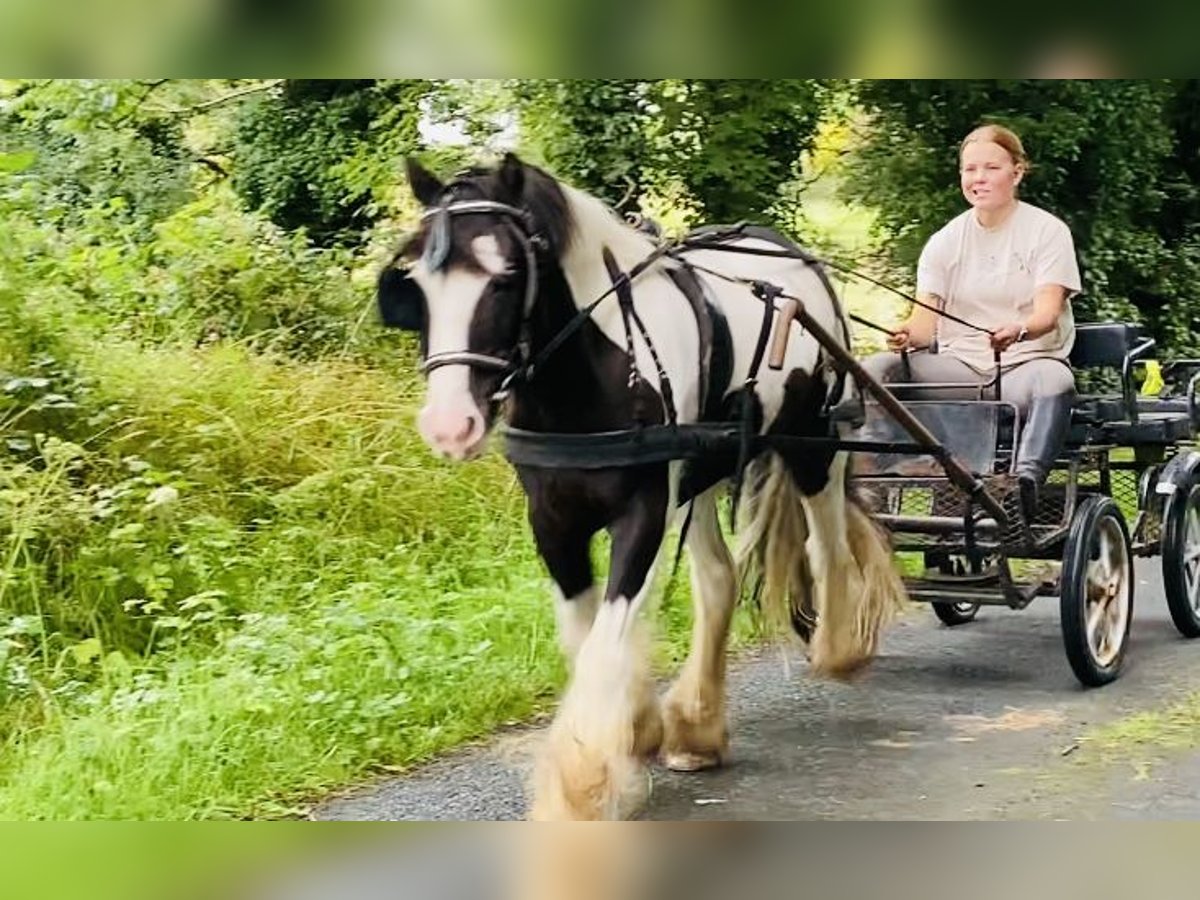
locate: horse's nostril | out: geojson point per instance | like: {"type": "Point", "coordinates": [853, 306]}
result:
{"type": "Point", "coordinates": [451, 430]}
{"type": "Point", "coordinates": [474, 429]}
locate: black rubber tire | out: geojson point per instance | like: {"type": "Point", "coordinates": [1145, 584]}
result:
{"type": "Point", "coordinates": [953, 614]}
{"type": "Point", "coordinates": [1183, 505]}
{"type": "Point", "coordinates": [1094, 514]}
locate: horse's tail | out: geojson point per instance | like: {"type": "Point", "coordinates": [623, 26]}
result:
{"type": "Point", "coordinates": [771, 555]}
{"type": "Point", "coordinates": [836, 589]}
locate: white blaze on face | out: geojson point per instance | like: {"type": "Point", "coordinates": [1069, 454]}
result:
{"type": "Point", "coordinates": [451, 422]}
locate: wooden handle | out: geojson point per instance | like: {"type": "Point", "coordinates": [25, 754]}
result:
{"type": "Point", "coordinates": [783, 329]}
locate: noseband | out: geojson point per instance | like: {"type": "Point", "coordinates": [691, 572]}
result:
{"type": "Point", "coordinates": [437, 250]}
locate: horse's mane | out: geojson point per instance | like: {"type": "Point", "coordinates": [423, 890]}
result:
{"type": "Point", "coordinates": [564, 214]}
{"type": "Point", "coordinates": [593, 217]}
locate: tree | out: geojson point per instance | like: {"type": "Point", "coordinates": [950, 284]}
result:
{"type": "Point", "coordinates": [322, 154]}
{"type": "Point", "coordinates": [728, 145]}
{"type": "Point", "coordinates": [595, 133]}
{"type": "Point", "coordinates": [97, 145]}
{"type": "Point", "coordinates": [734, 143]}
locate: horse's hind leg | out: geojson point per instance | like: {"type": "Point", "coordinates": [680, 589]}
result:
{"type": "Point", "coordinates": [857, 587]}
{"type": "Point", "coordinates": [694, 730]}
{"type": "Point", "coordinates": [593, 764]}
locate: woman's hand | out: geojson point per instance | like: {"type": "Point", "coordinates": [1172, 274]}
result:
{"type": "Point", "coordinates": [1007, 335]}
{"type": "Point", "coordinates": [901, 339]}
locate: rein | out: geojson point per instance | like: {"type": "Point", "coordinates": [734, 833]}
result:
{"type": "Point", "coordinates": [704, 242]}
{"type": "Point", "coordinates": [522, 226]}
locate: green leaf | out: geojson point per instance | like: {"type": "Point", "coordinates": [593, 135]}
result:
{"type": "Point", "coordinates": [87, 651]}
{"type": "Point", "coordinates": [17, 162]}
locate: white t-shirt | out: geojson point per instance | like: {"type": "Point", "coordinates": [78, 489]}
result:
{"type": "Point", "coordinates": [989, 277]}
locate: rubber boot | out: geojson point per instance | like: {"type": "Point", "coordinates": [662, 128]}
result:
{"type": "Point", "coordinates": [1042, 439]}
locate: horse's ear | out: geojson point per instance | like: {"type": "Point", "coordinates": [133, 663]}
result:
{"type": "Point", "coordinates": [425, 186]}
{"type": "Point", "coordinates": [512, 177]}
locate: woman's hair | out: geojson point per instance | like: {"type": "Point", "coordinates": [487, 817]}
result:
{"type": "Point", "coordinates": [998, 134]}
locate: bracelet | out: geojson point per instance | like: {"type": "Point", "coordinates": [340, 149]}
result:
{"type": "Point", "coordinates": [1024, 333]}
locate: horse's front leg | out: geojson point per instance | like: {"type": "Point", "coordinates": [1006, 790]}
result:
{"type": "Point", "coordinates": [593, 766]}
{"type": "Point", "coordinates": [564, 547]}
{"type": "Point", "coordinates": [695, 733]}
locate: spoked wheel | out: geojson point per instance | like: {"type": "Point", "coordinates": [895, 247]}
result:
{"type": "Point", "coordinates": [1096, 591]}
{"type": "Point", "coordinates": [1181, 559]}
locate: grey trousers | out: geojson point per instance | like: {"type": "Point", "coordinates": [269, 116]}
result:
{"type": "Point", "coordinates": [1018, 385]}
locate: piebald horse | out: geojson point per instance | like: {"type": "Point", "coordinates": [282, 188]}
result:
{"type": "Point", "coordinates": [495, 278]}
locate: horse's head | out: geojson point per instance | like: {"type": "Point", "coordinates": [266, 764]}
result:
{"type": "Point", "coordinates": [467, 281]}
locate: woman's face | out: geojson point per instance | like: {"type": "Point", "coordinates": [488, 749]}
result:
{"type": "Point", "coordinates": [989, 175]}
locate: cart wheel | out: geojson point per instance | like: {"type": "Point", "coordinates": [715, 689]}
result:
{"type": "Point", "coordinates": [953, 614]}
{"type": "Point", "coordinates": [1096, 591]}
{"type": "Point", "coordinates": [1181, 559]}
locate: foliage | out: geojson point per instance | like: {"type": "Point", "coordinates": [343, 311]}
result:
{"type": "Point", "coordinates": [727, 147]}
{"type": "Point", "coordinates": [205, 270]}
{"type": "Point", "coordinates": [594, 133]}
{"type": "Point", "coordinates": [214, 272]}
{"type": "Point", "coordinates": [1115, 159]}
{"type": "Point", "coordinates": [97, 145]}
{"type": "Point", "coordinates": [324, 155]}
{"type": "Point", "coordinates": [735, 143]}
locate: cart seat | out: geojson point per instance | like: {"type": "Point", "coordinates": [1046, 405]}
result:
{"type": "Point", "coordinates": [1106, 345]}
{"type": "Point", "coordinates": [1116, 417]}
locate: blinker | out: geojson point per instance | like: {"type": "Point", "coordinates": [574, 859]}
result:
{"type": "Point", "coordinates": [437, 244]}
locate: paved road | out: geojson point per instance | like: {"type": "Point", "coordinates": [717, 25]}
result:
{"type": "Point", "coordinates": [975, 722]}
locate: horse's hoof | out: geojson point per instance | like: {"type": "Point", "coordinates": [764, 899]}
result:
{"type": "Point", "coordinates": [692, 761]}
{"type": "Point", "coordinates": [847, 670]}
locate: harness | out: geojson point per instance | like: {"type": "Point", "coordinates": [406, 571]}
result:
{"type": "Point", "coordinates": [641, 443]}
{"type": "Point", "coordinates": [647, 443]}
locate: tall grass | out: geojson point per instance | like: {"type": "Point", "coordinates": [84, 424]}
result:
{"type": "Point", "coordinates": [311, 597]}
{"type": "Point", "coordinates": [313, 593]}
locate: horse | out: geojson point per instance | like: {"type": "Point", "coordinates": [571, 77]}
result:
{"type": "Point", "coordinates": [526, 292]}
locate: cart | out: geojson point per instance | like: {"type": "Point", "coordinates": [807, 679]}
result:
{"type": "Point", "coordinates": [1126, 485]}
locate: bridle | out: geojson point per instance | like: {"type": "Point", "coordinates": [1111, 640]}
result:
{"type": "Point", "coordinates": [521, 365]}
{"type": "Point", "coordinates": [437, 251]}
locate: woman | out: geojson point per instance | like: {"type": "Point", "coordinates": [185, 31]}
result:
{"type": "Point", "coordinates": [1009, 267]}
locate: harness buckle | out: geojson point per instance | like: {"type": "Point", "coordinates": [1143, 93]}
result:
{"type": "Point", "coordinates": [764, 290]}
